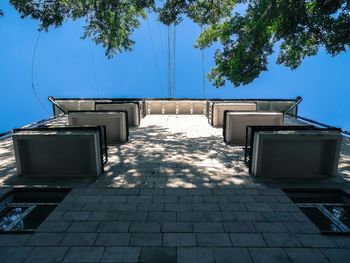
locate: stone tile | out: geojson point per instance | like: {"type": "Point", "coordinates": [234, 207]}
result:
{"type": "Point", "coordinates": [84, 254]}
{"type": "Point", "coordinates": [46, 254]}
{"type": "Point", "coordinates": [79, 239]}
{"type": "Point", "coordinates": [279, 216]}
{"type": "Point", "coordinates": [115, 207]}
{"type": "Point", "coordinates": [158, 191]}
{"type": "Point", "coordinates": [337, 255]}
{"type": "Point", "coordinates": [239, 227]}
{"type": "Point", "coordinates": [270, 227]}
{"type": "Point", "coordinates": [282, 207]}
{"type": "Point", "coordinates": [75, 216]}
{"type": "Point", "coordinates": [139, 199]}
{"type": "Point", "coordinates": [176, 227]}
{"type": "Point", "coordinates": [231, 255]}
{"type": "Point", "coordinates": [213, 240]}
{"type": "Point", "coordinates": [248, 216]}
{"type": "Point", "coordinates": [301, 227]}
{"type": "Point", "coordinates": [49, 226]}
{"type": "Point", "coordinates": [154, 207]}
{"type": "Point", "coordinates": [145, 227]}
{"type": "Point", "coordinates": [130, 191]}
{"type": "Point", "coordinates": [305, 255]}
{"type": "Point", "coordinates": [121, 254]}
{"type": "Point", "coordinates": [45, 239]}
{"type": "Point", "coordinates": [114, 199]}
{"type": "Point", "coordinates": [97, 207]}
{"type": "Point", "coordinates": [281, 240]}
{"type": "Point", "coordinates": [103, 216]}
{"type": "Point", "coordinates": [114, 227]}
{"type": "Point", "coordinates": [132, 216]}
{"type": "Point", "coordinates": [177, 207]}
{"type": "Point", "coordinates": [161, 216]}
{"type": "Point", "coordinates": [190, 216]}
{"type": "Point", "coordinates": [13, 240]}
{"type": "Point", "coordinates": [247, 240]}
{"type": "Point", "coordinates": [207, 227]}
{"type": "Point", "coordinates": [259, 207]}
{"type": "Point", "coordinates": [158, 255]}
{"type": "Point", "coordinates": [146, 239]}
{"type": "Point", "coordinates": [179, 239]}
{"type": "Point", "coordinates": [164, 199]}
{"type": "Point", "coordinates": [83, 227]}
{"type": "Point", "coordinates": [204, 207]}
{"type": "Point", "coordinates": [220, 216]}
{"type": "Point", "coordinates": [88, 199]}
{"type": "Point", "coordinates": [232, 207]}
{"type": "Point", "coordinates": [13, 254]}
{"type": "Point", "coordinates": [315, 240]}
{"type": "Point", "coordinates": [113, 239]}
{"type": "Point", "coordinates": [268, 255]}
{"type": "Point", "coordinates": [342, 241]}
{"type": "Point", "coordinates": [194, 255]}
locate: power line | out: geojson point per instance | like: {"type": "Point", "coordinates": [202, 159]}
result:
{"type": "Point", "coordinates": [154, 56]}
{"type": "Point", "coordinates": [94, 71]}
{"type": "Point", "coordinates": [203, 69]}
{"type": "Point", "coordinates": [32, 75]}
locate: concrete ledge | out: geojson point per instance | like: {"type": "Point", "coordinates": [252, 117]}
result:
{"type": "Point", "coordinates": [236, 122]}
{"type": "Point", "coordinates": [296, 154]}
{"type": "Point", "coordinates": [62, 152]}
{"type": "Point", "coordinates": [220, 108]}
{"type": "Point", "coordinates": [116, 123]}
{"type": "Point", "coordinates": [134, 114]}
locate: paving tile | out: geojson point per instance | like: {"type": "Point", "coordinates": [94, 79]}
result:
{"type": "Point", "coordinates": [176, 227]}
{"type": "Point", "coordinates": [179, 239]}
{"type": "Point", "coordinates": [158, 255]}
{"type": "Point", "coordinates": [13, 254]}
{"type": "Point", "coordinates": [232, 207]}
{"type": "Point", "coordinates": [164, 199]}
{"type": "Point", "coordinates": [279, 216]}
{"type": "Point", "coordinates": [239, 227]}
{"type": "Point", "coordinates": [213, 240]}
{"type": "Point", "coordinates": [220, 216]}
{"type": "Point", "coordinates": [88, 199]}
{"type": "Point", "coordinates": [146, 239]}
{"type": "Point", "coordinates": [247, 240]}
{"type": "Point", "coordinates": [248, 216]}
{"type": "Point", "coordinates": [177, 207]}
{"type": "Point", "coordinates": [46, 254]}
{"type": "Point", "coordinates": [114, 227]}
{"type": "Point", "coordinates": [301, 227]}
{"type": "Point", "coordinates": [115, 207]}
{"type": "Point", "coordinates": [49, 226]}
{"type": "Point", "coordinates": [79, 239]}
{"type": "Point", "coordinates": [191, 216]}
{"type": "Point", "coordinates": [13, 240]}
{"type": "Point", "coordinates": [145, 227]}
{"type": "Point", "coordinates": [259, 207]}
{"type": "Point", "coordinates": [315, 240]}
{"type": "Point", "coordinates": [154, 207]}
{"type": "Point", "coordinates": [281, 240]}
{"type": "Point", "coordinates": [139, 199]}
{"type": "Point", "coordinates": [83, 227]}
{"type": "Point", "coordinates": [270, 227]}
{"type": "Point", "coordinates": [75, 216]}
{"type": "Point", "coordinates": [207, 227]}
{"type": "Point", "coordinates": [342, 241]}
{"type": "Point", "coordinates": [231, 255]}
{"type": "Point", "coordinates": [113, 239]}
{"type": "Point", "coordinates": [337, 255]}
{"type": "Point", "coordinates": [305, 255]}
{"type": "Point", "coordinates": [161, 216]}
{"type": "Point", "coordinates": [45, 239]}
{"type": "Point", "coordinates": [114, 199]}
{"type": "Point", "coordinates": [204, 207]}
{"type": "Point", "coordinates": [97, 207]}
{"type": "Point", "coordinates": [121, 254]}
{"type": "Point", "coordinates": [194, 255]}
{"type": "Point", "coordinates": [132, 216]}
{"type": "Point", "coordinates": [103, 216]}
{"type": "Point", "coordinates": [268, 255]}
{"type": "Point", "coordinates": [84, 254]}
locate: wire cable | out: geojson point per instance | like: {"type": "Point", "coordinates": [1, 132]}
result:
{"type": "Point", "coordinates": [94, 71]}
{"type": "Point", "coordinates": [154, 56]}
{"type": "Point", "coordinates": [203, 69]}
{"type": "Point", "coordinates": [32, 75]}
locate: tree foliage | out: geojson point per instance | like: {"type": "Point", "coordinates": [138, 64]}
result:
{"type": "Point", "coordinates": [295, 29]}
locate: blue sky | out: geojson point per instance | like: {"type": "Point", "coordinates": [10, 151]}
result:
{"type": "Point", "coordinates": [66, 66]}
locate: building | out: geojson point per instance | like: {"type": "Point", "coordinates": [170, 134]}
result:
{"type": "Point", "coordinates": [174, 192]}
